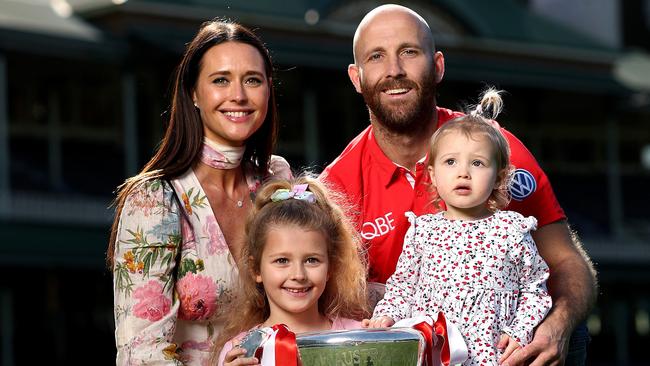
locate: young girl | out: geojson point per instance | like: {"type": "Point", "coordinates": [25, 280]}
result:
{"type": "Point", "coordinates": [475, 263]}
{"type": "Point", "coordinates": [300, 266]}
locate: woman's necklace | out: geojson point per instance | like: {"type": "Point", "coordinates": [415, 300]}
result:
{"type": "Point", "coordinates": [238, 202]}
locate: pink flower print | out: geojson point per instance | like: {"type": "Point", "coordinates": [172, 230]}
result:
{"type": "Point", "coordinates": [143, 200]}
{"type": "Point", "coordinates": [153, 304]}
{"type": "Point", "coordinates": [217, 243]}
{"type": "Point", "coordinates": [201, 346]}
{"type": "Point", "coordinates": [189, 242]}
{"type": "Point", "coordinates": [210, 156]}
{"type": "Point", "coordinates": [198, 297]}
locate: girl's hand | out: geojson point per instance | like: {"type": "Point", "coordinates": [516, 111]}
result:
{"type": "Point", "coordinates": [381, 322]}
{"type": "Point", "coordinates": [233, 358]}
{"type": "Point", "coordinates": [509, 346]}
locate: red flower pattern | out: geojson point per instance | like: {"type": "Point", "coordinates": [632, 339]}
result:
{"type": "Point", "coordinates": [485, 275]}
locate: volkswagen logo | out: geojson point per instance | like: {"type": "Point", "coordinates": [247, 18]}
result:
{"type": "Point", "coordinates": [523, 184]}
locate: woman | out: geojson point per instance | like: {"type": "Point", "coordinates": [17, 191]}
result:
{"type": "Point", "coordinates": [179, 225]}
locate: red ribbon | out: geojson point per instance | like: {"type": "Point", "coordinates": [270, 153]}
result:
{"type": "Point", "coordinates": [427, 331]}
{"type": "Point", "coordinates": [439, 328]}
{"type": "Point", "coordinates": [441, 331]}
{"type": "Point", "coordinates": [286, 350]}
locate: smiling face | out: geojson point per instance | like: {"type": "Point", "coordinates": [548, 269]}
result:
{"type": "Point", "coordinates": [232, 92]}
{"type": "Point", "coordinates": [464, 174]}
{"type": "Point", "coordinates": [294, 271]}
{"type": "Point", "coordinates": [396, 69]}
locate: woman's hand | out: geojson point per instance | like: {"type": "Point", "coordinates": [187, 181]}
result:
{"type": "Point", "coordinates": [381, 322]}
{"type": "Point", "coordinates": [508, 345]}
{"type": "Point", "coordinates": [234, 358]}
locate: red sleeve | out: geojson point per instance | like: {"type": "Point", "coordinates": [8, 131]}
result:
{"type": "Point", "coordinates": [531, 191]}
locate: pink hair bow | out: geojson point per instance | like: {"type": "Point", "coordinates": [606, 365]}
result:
{"type": "Point", "coordinates": [298, 192]}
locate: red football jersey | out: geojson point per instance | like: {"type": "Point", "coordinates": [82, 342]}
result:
{"type": "Point", "coordinates": [380, 194]}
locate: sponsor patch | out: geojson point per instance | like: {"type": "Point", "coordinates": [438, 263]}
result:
{"type": "Point", "coordinates": [523, 185]}
{"type": "Point", "coordinates": [378, 227]}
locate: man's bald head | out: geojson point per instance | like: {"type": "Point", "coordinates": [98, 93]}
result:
{"type": "Point", "coordinates": [386, 13]}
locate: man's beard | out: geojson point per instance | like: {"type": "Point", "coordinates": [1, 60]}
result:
{"type": "Point", "coordinates": [407, 118]}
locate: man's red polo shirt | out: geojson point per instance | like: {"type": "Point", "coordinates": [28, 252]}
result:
{"type": "Point", "coordinates": [380, 194]}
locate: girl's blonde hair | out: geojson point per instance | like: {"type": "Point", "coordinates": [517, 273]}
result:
{"type": "Point", "coordinates": [480, 121]}
{"type": "Point", "coordinates": [345, 292]}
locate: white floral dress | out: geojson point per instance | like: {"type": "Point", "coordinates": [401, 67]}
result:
{"type": "Point", "coordinates": [164, 300]}
{"type": "Point", "coordinates": [485, 275]}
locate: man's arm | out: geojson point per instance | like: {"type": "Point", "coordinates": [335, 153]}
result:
{"type": "Point", "coordinates": [573, 287]}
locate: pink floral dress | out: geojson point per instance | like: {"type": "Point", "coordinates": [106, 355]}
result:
{"type": "Point", "coordinates": [485, 275]}
{"type": "Point", "coordinates": [173, 272]}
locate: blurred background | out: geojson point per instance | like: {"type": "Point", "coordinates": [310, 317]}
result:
{"type": "Point", "coordinates": [84, 90]}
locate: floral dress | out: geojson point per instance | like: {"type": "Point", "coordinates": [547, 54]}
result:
{"type": "Point", "coordinates": [485, 275]}
{"type": "Point", "coordinates": [173, 272]}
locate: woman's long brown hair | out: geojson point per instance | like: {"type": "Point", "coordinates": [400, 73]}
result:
{"type": "Point", "coordinates": [183, 139]}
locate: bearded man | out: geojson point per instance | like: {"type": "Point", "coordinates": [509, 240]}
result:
{"type": "Point", "coordinates": [382, 172]}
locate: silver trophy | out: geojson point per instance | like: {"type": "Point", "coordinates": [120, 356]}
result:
{"type": "Point", "coordinates": [362, 347]}
{"type": "Point", "coordinates": [254, 340]}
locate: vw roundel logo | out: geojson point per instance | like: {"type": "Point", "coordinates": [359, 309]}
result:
{"type": "Point", "coordinates": [523, 184]}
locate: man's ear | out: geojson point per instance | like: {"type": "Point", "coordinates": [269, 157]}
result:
{"type": "Point", "coordinates": [353, 73]}
{"type": "Point", "coordinates": [439, 63]}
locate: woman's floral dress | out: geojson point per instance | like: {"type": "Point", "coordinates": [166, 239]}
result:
{"type": "Point", "coordinates": [485, 275]}
{"type": "Point", "coordinates": [165, 300]}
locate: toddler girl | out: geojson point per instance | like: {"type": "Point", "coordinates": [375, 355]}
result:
{"type": "Point", "coordinates": [300, 266]}
{"type": "Point", "coordinates": [475, 263]}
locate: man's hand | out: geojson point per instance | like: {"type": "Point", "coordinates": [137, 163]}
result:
{"type": "Point", "coordinates": [548, 347]}
{"type": "Point", "coordinates": [572, 285]}
{"type": "Point", "coordinates": [508, 346]}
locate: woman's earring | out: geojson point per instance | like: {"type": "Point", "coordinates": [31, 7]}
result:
{"type": "Point", "coordinates": [196, 105]}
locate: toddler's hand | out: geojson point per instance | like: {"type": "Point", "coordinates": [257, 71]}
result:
{"type": "Point", "coordinates": [233, 358]}
{"type": "Point", "coordinates": [509, 346]}
{"type": "Point", "coordinates": [381, 322]}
